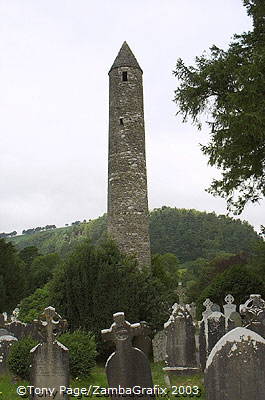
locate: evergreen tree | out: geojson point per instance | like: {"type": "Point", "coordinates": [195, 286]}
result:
{"type": "Point", "coordinates": [230, 86]}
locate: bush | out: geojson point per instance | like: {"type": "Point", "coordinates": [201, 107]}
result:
{"type": "Point", "coordinates": [82, 352]}
{"type": "Point", "coordinates": [32, 306]}
{"type": "Point", "coordinates": [19, 357]}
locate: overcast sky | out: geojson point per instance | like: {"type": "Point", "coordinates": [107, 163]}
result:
{"type": "Point", "coordinates": [54, 61]}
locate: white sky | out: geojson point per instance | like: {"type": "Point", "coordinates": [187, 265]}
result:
{"type": "Point", "coordinates": [54, 61]}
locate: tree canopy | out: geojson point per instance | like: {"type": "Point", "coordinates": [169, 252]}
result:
{"type": "Point", "coordinates": [229, 85]}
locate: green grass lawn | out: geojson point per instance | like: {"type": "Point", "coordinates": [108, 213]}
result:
{"type": "Point", "coordinates": [98, 378]}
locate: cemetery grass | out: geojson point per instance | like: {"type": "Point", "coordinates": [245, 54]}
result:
{"type": "Point", "coordinates": [98, 377]}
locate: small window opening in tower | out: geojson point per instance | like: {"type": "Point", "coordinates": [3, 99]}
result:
{"type": "Point", "coordinates": [124, 76]}
{"type": "Point", "coordinates": [121, 121]}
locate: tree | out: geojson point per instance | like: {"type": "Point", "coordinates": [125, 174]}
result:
{"type": "Point", "coordinates": [97, 281]}
{"type": "Point", "coordinates": [230, 86]}
{"type": "Point", "coordinates": [12, 274]}
{"type": "Point", "coordinates": [28, 254]}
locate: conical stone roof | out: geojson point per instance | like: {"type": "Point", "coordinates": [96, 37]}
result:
{"type": "Point", "coordinates": [125, 58]}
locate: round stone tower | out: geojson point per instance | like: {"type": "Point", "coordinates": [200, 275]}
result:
{"type": "Point", "coordinates": [128, 221]}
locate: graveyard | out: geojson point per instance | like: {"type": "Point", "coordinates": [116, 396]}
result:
{"type": "Point", "coordinates": [142, 304]}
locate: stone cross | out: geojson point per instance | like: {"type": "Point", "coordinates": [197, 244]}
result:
{"type": "Point", "coordinates": [122, 331]}
{"type": "Point", "coordinates": [208, 308]}
{"type": "Point", "coordinates": [50, 324]}
{"type": "Point", "coordinates": [253, 312]}
{"type": "Point", "coordinates": [49, 359]}
{"type": "Point", "coordinates": [229, 307]}
{"type": "Point", "coordinates": [127, 367]}
{"type": "Point", "coordinates": [181, 292]}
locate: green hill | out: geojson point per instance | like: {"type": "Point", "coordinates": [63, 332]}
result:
{"type": "Point", "coordinates": [187, 233]}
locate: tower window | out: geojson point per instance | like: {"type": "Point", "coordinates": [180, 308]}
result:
{"type": "Point", "coordinates": [121, 121]}
{"type": "Point", "coordinates": [124, 76]}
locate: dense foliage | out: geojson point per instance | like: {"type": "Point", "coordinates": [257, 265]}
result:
{"type": "Point", "coordinates": [241, 281]}
{"type": "Point", "coordinates": [97, 282]}
{"type": "Point", "coordinates": [12, 277]}
{"type": "Point", "coordinates": [32, 306]}
{"type": "Point", "coordinates": [229, 86]}
{"type": "Point", "coordinates": [82, 352]}
{"type": "Point", "coordinates": [19, 357]}
{"type": "Point", "coordinates": [188, 234]}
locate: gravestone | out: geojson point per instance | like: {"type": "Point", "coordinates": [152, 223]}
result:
{"type": "Point", "coordinates": [6, 341]}
{"type": "Point", "coordinates": [229, 307]}
{"type": "Point", "coordinates": [50, 362]}
{"type": "Point", "coordinates": [143, 341]}
{"type": "Point", "coordinates": [208, 309]}
{"type": "Point", "coordinates": [253, 313]}
{"type": "Point", "coordinates": [180, 343]}
{"type": "Point", "coordinates": [216, 329]}
{"type": "Point", "coordinates": [235, 369]}
{"type": "Point", "coordinates": [159, 346]}
{"type": "Point", "coordinates": [128, 367]}
{"type": "Point", "coordinates": [203, 343]}
{"type": "Point", "coordinates": [181, 292]}
{"type": "Point", "coordinates": [203, 332]}
{"type": "Point", "coordinates": [192, 310]}
{"type": "Point", "coordinates": [235, 317]}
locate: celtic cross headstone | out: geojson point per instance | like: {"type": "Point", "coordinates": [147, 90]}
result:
{"type": "Point", "coordinates": [50, 361]}
{"type": "Point", "coordinates": [128, 367]}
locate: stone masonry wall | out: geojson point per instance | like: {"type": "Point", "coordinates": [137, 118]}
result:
{"type": "Point", "coordinates": [128, 221]}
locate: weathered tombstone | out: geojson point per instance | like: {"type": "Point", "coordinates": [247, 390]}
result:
{"type": "Point", "coordinates": [6, 341]}
{"type": "Point", "coordinates": [181, 292]}
{"type": "Point", "coordinates": [14, 316]}
{"type": "Point", "coordinates": [253, 312]}
{"type": "Point", "coordinates": [128, 367]}
{"type": "Point", "coordinates": [203, 344]}
{"type": "Point", "coordinates": [180, 344]}
{"type": "Point", "coordinates": [192, 310]}
{"type": "Point", "coordinates": [235, 369]}
{"type": "Point", "coordinates": [235, 317]}
{"type": "Point", "coordinates": [203, 332]}
{"type": "Point", "coordinates": [159, 346]}
{"type": "Point", "coordinates": [229, 307]}
{"type": "Point", "coordinates": [50, 362]}
{"type": "Point", "coordinates": [143, 341]}
{"type": "Point", "coordinates": [20, 329]}
{"type": "Point", "coordinates": [208, 309]}
{"type": "Point", "coordinates": [216, 329]}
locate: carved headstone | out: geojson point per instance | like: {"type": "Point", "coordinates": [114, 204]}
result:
{"type": "Point", "coordinates": [253, 312]}
{"type": "Point", "coordinates": [235, 369]}
{"type": "Point", "coordinates": [143, 342]}
{"type": "Point", "coordinates": [192, 310]}
{"type": "Point", "coordinates": [208, 309]}
{"type": "Point", "coordinates": [229, 307]}
{"type": "Point", "coordinates": [6, 341]}
{"type": "Point", "coordinates": [127, 367]}
{"type": "Point", "coordinates": [203, 343]}
{"type": "Point", "coordinates": [181, 292]}
{"type": "Point", "coordinates": [50, 362]}
{"type": "Point", "coordinates": [159, 346]}
{"type": "Point", "coordinates": [180, 343]}
{"type": "Point", "coordinates": [235, 317]}
{"type": "Point", "coordinates": [216, 329]}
